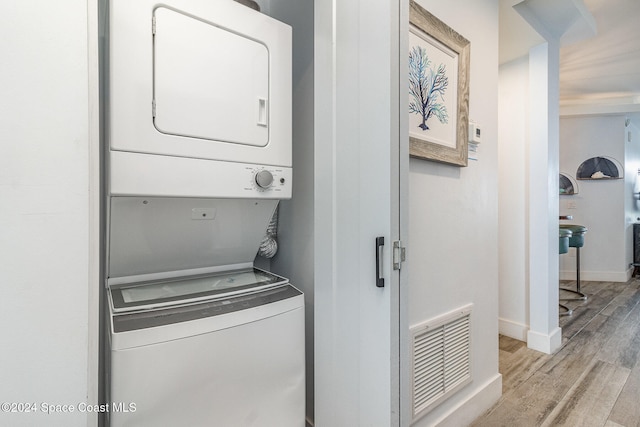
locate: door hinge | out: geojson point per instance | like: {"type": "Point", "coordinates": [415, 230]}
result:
{"type": "Point", "coordinates": [399, 254]}
{"type": "Point", "coordinates": [153, 108]}
{"type": "Point", "coordinates": [153, 25]}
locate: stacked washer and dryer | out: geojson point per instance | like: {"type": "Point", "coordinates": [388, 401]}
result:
{"type": "Point", "coordinates": [198, 156]}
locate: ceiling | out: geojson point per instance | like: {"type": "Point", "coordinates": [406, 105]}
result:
{"type": "Point", "coordinates": [608, 64]}
{"type": "Point", "coordinates": [602, 69]}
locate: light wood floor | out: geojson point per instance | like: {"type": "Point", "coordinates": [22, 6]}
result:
{"type": "Point", "coordinates": [593, 380]}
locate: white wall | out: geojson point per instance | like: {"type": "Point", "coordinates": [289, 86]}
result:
{"type": "Point", "coordinates": [600, 205]}
{"type": "Point", "coordinates": [45, 210]}
{"type": "Point", "coordinates": [514, 198]}
{"type": "Point", "coordinates": [453, 221]}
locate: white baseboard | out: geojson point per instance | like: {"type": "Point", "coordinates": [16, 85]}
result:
{"type": "Point", "coordinates": [474, 406]}
{"type": "Point", "coordinates": [512, 329]}
{"type": "Point", "coordinates": [545, 343]}
{"type": "Point", "coordinates": [598, 276]}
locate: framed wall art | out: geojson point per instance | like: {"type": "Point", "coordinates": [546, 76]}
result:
{"type": "Point", "coordinates": [438, 89]}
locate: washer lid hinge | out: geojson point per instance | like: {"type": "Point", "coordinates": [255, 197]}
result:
{"type": "Point", "coordinates": [399, 254]}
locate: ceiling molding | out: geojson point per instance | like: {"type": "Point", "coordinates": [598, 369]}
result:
{"type": "Point", "coordinates": [594, 105]}
{"type": "Point", "coordinates": [565, 21]}
{"type": "Point", "coordinates": [528, 23]}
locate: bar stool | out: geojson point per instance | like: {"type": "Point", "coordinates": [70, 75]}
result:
{"type": "Point", "coordinates": [575, 241]}
{"type": "Point", "coordinates": [565, 235]}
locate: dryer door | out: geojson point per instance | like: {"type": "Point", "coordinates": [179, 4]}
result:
{"type": "Point", "coordinates": [199, 79]}
{"type": "Point", "coordinates": [209, 82]}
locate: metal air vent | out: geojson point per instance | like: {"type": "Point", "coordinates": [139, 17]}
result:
{"type": "Point", "coordinates": [441, 359]}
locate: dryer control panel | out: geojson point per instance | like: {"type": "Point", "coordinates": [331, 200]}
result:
{"type": "Point", "coordinates": [136, 174]}
{"type": "Point", "coordinates": [265, 179]}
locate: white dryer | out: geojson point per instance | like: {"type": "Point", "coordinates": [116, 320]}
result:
{"type": "Point", "coordinates": [199, 100]}
{"type": "Point", "coordinates": [198, 154]}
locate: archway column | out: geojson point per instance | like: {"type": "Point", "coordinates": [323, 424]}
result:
{"type": "Point", "coordinates": [543, 270]}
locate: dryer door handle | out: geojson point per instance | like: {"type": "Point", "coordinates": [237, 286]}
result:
{"type": "Point", "coordinates": [263, 112]}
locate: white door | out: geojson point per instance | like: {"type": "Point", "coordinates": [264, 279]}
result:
{"type": "Point", "coordinates": [357, 194]}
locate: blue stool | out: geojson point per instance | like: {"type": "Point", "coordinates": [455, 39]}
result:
{"type": "Point", "coordinates": [565, 235]}
{"type": "Point", "coordinates": [575, 241]}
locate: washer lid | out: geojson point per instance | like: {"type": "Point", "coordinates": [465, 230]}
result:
{"type": "Point", "coordinates": [203, 287]}
{"type": "Point", "coordinates": [162, 236]}
{"type": "Point", "coordinates": [209, 82]}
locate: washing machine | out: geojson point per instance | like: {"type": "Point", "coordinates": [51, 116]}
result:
{"type": "Point", "coordinates": [232, 364]}
{"type": "Point", "coordinates": [182, 357]}
{"type": "Point", "coordinates": [197, 335]}
{"type": "Point", "coordinates": [198, 155]}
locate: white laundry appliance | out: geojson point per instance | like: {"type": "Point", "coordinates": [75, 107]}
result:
{"type": "Point", "coordinates": [198, 156]}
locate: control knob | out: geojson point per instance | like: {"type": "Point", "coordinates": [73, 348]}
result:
{"type": "Point", "coordinates": [264, 179]}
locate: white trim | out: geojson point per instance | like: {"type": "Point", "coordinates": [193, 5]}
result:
{"type": "Point", "coordinates": [512, 329]}
{"type": "Point", "coordinates": [545, 343]}
{"type": "Point", "coordinates": [474, 406]}
{"type": "Point", "coordinates": [600, 108]}
{"type": "Point", "coordinates": [94, 193]}
{"type": "Point", "coordinates": [598, 276]}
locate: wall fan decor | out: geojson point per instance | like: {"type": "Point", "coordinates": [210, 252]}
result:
{"type": "Point", "coordinates": [600, 168]}
{"type": "Point", "coordinates": [568, 185]}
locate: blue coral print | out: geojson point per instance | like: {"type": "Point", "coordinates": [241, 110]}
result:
{"type": "Point", "coordinates": [427, 87]}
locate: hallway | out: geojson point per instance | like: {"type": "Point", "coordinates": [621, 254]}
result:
{"type": "Point", "coordinates": [593, 380]}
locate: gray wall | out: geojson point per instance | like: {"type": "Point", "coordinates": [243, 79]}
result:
{"type": "Point", "coordinates": [295, 232]}
{"type": "Point", "coordinates": [453, 221]}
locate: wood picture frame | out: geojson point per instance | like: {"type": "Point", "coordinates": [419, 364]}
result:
{"type": "Point", "coordinates": [439, 62]}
